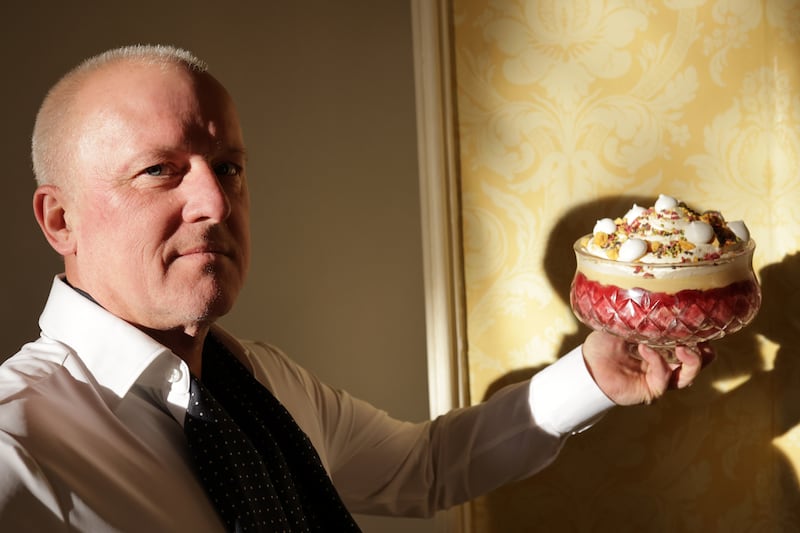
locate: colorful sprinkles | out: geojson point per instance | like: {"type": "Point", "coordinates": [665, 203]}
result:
{"type": "Point", "coordinates": [666, 241]}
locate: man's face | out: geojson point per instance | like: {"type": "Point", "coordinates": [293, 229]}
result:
{"type": "Point", "coordinates": [159, 204]}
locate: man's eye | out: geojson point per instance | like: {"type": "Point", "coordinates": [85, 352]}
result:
{"type": "Point", "coordinates": [155, 170]}
{"type": "Point", "coordinates": [227, 169]}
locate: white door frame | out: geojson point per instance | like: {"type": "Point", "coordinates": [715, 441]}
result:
{"type": "Point", "coordinates": [441, 220]}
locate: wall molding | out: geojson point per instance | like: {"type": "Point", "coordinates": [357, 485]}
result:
{"type": "Point", "coordinates": [445, 309]}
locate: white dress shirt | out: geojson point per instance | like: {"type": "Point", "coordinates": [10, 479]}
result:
{"type": "Point", "coordinates": [91, 435]}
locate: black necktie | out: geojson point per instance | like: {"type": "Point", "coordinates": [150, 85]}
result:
{"type": "Point", "coordinates": [258, 467]}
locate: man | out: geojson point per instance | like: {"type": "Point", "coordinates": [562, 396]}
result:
{"type": "Point", "coordinates": [107, 420]}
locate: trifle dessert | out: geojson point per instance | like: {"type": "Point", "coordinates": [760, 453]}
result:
{"type": "Point", "coordinates": [666, 275]}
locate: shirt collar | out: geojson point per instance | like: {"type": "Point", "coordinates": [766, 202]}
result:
{"type": "Point", "coordinates": [114, 352]}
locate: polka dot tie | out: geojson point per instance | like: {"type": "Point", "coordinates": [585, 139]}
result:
{"type": "Point", "coordinates": [259, 469]}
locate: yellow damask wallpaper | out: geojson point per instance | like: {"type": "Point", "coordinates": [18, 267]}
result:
{"type": "Point", "coordinates": [569, 111]}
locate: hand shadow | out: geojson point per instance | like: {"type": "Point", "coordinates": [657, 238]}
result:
{"type": "Point", "coordinates": [701, 459]}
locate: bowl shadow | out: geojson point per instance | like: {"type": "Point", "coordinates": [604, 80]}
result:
{"type": "Point", "coordinates": [705, 458]}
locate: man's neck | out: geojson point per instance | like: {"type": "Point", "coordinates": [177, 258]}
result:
{"type": "Point", "coordinates": [186, 345]}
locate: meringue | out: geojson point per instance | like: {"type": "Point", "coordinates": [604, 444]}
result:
{"type": "Point", "coordinates": [632, 249]}
{"type": "Point", "coordinates": [739, 229]}
{"type": "Point", "coordinates": [665, 203]}
{"type": "Point", "coordinates": [604, 225]}
{"type": "Point", "coordinates": [699, 232]}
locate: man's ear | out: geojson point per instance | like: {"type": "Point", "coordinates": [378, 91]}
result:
{"type": "Point", "coordinates": [50, 210]}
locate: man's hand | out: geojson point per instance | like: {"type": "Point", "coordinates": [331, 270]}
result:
{"type": "Point", "coordinates": [628, 380]}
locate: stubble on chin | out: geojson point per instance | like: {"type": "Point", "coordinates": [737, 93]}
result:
{"type": "Point", "coordinates": [220, 296]}
{"type": "Point", "coordinates": [197, 295]}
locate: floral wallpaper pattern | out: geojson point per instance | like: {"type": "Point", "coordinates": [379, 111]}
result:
{"type": "Point", "coordinates": [569, 111]}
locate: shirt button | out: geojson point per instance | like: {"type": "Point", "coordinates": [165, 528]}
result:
{"type": "Point", "coordinates": [174, 375]}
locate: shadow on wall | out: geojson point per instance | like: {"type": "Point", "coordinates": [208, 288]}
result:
{"type": "Point", "coordinates": [703, 459]}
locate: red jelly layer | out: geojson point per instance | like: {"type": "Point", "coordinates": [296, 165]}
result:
{"type": "Point", "coordinates": [659, 318]}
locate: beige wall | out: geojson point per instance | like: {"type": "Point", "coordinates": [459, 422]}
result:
{"type": "Point", "coordinates": [326, 94]}
{"type": "Point", "coordinates": [569, 110]}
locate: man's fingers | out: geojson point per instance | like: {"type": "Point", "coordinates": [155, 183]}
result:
{"type": "Point", "coordinates": [693, 359]}
{"type": "Point", "coordinates": [657, 371]}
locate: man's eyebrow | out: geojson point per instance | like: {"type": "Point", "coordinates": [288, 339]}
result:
{"type": "Point", "coordinates": [145, 158]}
{"type": "Point", "coordinates": [239, 151]}
{"type": "Point", "coordinates": [157, 152]}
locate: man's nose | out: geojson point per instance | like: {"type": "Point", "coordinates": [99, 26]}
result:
{"type": "Point", "coordinates": [206, 198]}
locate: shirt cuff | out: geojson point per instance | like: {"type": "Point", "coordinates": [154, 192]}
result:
{"type": "Point", "coordinates": [564, 399]}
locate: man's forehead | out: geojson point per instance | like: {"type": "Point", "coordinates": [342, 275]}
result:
{"type": "Point", "coordinates": [148, 93]}
{"type": "Point", "coordinates": [146, 109]}
{"type": "Point", "coordinates": [127, 80]}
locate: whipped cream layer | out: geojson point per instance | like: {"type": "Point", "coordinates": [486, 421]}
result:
{"type": "Point", "coordinates": [667, 232]}
{"type": "Point", "coordinates": [667, 247]}
{"type": "Point", "coordinates": [665, 277]}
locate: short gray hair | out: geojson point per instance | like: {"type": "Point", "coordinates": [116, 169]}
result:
{"type": "Point", "coordinates": [53, 126]}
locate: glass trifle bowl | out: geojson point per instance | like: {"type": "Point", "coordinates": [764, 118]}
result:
{"type": "Point", "coordinates": [665, 305]}
{"type": "Point", "coordinates": [666, 275]}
